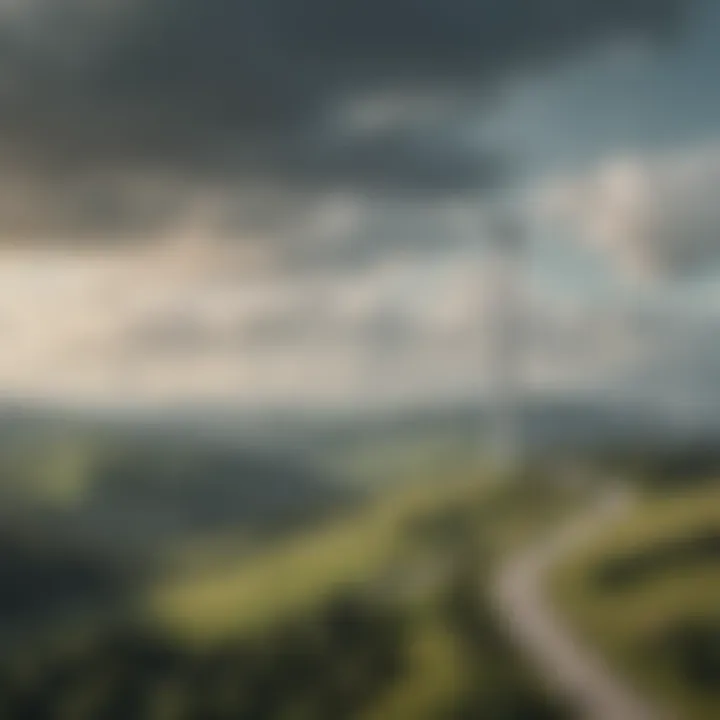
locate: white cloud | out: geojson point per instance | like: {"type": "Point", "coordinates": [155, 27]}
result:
{"type": "Point", "coordinates": [184, 321]}
{"type": "Point", "coordinates": [655, 217]}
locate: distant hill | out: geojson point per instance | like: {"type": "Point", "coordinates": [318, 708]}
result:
{"type": "Point", "coordinates": [133, 486]}
{"type": "Point", "coordinates": [156, 489]}
{"type": "Point", "coordinates": [138, 477]}
{"type": "Point", "coordinates": [552, 420]}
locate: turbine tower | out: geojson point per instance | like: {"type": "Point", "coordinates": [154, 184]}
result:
{"type": "Point", "coordinates": [506, 344]}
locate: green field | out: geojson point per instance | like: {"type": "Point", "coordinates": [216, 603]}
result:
{"type": "Point", "coordinates": [417, 550]}
{"type": "Point", "coordinates": [648, 595]}
{"type": "Point", "coordinates": [401, 530]}
{"type": "Point", "coordinates": [377, 612]}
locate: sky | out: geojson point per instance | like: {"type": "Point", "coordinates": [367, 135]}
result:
{"type": "Point", "coordinates": [272, 202]}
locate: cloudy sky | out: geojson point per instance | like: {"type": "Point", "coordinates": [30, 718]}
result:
{"type": "Point", "coordinates": [278, 202]}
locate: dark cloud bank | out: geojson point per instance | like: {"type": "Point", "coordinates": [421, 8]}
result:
{"type": "Point", "coordinates": [231, 93]}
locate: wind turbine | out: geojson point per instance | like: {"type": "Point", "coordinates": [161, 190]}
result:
{"type": "Point", "coordinates": [506, 341]}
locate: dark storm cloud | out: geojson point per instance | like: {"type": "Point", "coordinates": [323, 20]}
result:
{"type": "Point", "coordinates": [231, 91]}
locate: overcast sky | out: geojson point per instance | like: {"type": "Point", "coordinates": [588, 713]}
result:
{"type": "Point", "coordinates": [272, 201]}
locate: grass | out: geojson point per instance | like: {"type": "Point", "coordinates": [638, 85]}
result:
{"type": "Point", "coordinates": [297, 574]}
{"type": "Point", "coordinates": [627, 622]}
{"type": "Point", "coordinates": [407, 542]}
{"type": "Point", "coordinates": [416, 560]}
{"type": "Point", "coordinates": [437, 676]}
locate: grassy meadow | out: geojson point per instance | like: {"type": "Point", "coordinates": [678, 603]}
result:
{"type": "Point", "coordinates": [356, 587]}
{"type": "Point", "coordinates": [374, 611]}
{"type": "Point", "coordinates": [648, 595]}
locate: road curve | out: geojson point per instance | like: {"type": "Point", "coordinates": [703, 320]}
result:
{"type": "Point", "coordinates": [568, 667]}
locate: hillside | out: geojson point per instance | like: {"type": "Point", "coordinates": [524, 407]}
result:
{"type": "Point", "coordinates": [648, 596]}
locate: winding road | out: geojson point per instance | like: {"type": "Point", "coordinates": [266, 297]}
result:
{"type": "Point", "coordinates": [568, 666]}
